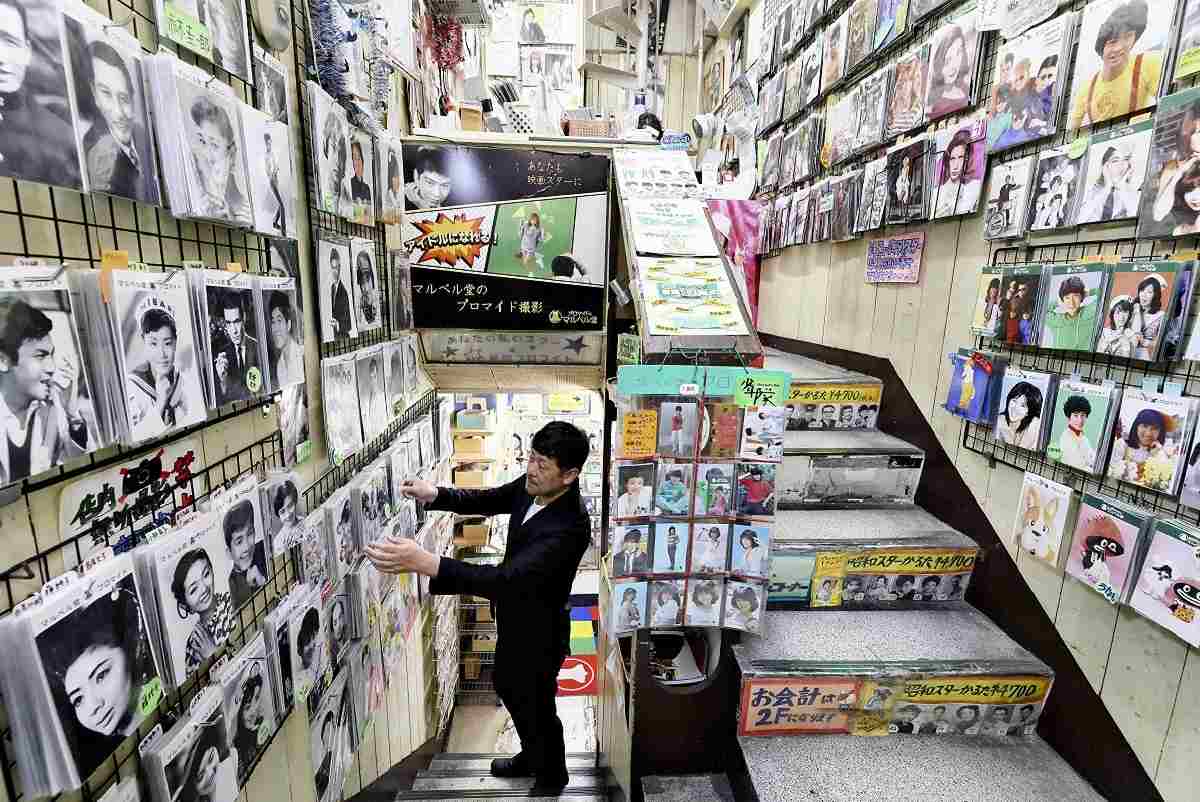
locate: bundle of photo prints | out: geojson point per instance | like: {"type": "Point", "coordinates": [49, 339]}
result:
{"type": "Point", "coordinates": [695, 497]}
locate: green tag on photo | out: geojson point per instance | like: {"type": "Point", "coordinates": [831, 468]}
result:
{"type": "Point", "coordinates": [253, 380]}
{"type": "Point", "coordinates": [304, 451]}
{"type": "Point", "coordinates": [184, 29]}
{"type": "Point", "coordinates": [151, 695]}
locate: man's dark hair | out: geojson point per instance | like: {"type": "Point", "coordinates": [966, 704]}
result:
{"type": "Point", "coordinates": [282, 493]}
{"type": "Point", "coordinates": [649, 120]}
{"type": "Point", "coordinates": [230, 299]}
{"type": "Point", "coordinates": [156, 319]}
{"type": "Point", "coordinates": [1130, 17]}
{"type": "Point", "coordinates": [429, 157]}
{"type": "Point", "coordinates": [237, 518]}
{"type": "Point", "coordinates": [563, 442]}
{"type": "Point", "coordinates": [309, 628]}
{"type": "Point", "coordinates": [21, 323]}
{"type": "Point", "coordinates": [204, 110]}
{"type": "Point", "coordinates": [633, 536]}
{"type": "Point", "coordinates": [345, 516]}
{"type": "Point", "coordinates": [675, 474]}
{"type": "Point", "coordinates": [1048, 61]}
{"type": "Point", "coordinates": [756, 471]}
{"type": "Point", "coordinates": [106, 53]}
{"type": "Point", "coordinates": [1072, 286]}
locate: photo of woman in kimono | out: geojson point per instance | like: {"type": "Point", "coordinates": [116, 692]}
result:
{"type": "Point", "coordinates": [1118, 338]}
{"type": "Point", "coordinates": [1020, 420]}
{"type": "Point", "coordinates": [195, 592]}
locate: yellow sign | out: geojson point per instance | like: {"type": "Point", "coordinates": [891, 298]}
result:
{"type": "Point", "coordinates": [907, 561]}
{"type": "Point", "coordinates": [826, 588]}
{"type": "Point", "coordinates": [989, 689]}
{"type": "Point", "coordinates": [793, 705]}
{"type": "Point", "coordinates": [826, 393]}
{"type": "Point", "coordinates": [639, 431]}
{"type": "Point", "coordinates": [566, 403]}
{"type": "Point", "coordinates": [876, 700]}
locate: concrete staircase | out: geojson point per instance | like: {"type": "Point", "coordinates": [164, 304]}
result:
{"type": "Point", "coordinates": [466, 776]}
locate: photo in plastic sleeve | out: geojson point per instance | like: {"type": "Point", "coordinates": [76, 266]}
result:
{"type": "Point", "coordinates": [1078, 433]}
{"type": "Point", "coordinates": [162, 376]}
{"type": "Point", "coordinates": [331, 143]}
{"type": "Point", "coordinates": [672, 542]}
{"type": "Point", "coordinates": [751, 552]}
{"type": "Point", "coordinates": [666, 602]}
{"type": "Point", "coordinates": [787, 158]}
{"type": "Point", "coordinates": [872, 107]}
{"type": "Point", "coordinates": [249, 705]}
{"type": "Point", "coordinates": [906, 182]}
{"type": "Point", "coordinates": [860, 31]}
{"type": "Point", "coordinates": [335, 278]}
{"type": "Point", "coordinates": [1025, 86]}
{"type": "Point", "coordinates": [200, 765]}
{"type": "Point", "coordinates": [630, 549]}
{"type": "Point", "coordinates": [969, 393]}
{"type": "Point", "coordinates": [342, 418]}
{"type": "Point", "coordinates": [1177, 320]}
{"type": "Point", "coordinates": [813, 61]}
{"type": "Point", "coordinates": [314, 550]}
{"type": "Point", "coordinates": [199, 614]}
{"type": "Point", "coordinates": [1119, 61]}
{"type": "Point", "coordinates": [673, 493]}
{"type": "Point", "coordinates": [1074, 301]}
{"type": "Point", "coordinates": [840, 125]}
{"type": "Point", "coordinates": [891, 21]}
{"type": "Point", "coordinates": [793, 99]}
{"type": "Point", "coordinates": [1187, 51]}
{"type": "Point", "coordinates": [845, 203]}
{"type": "Point", "coordinates": [1148, 440]}
{"type": "Point", "coordinates": [115, 132]}
{"type": "Point", "coordinates": [1041, 520]}
{"type": "Point", "coordinates": [366, 286]}
{"type": "Point", "coordinates": [45, 382]}
{"type": "Point", "coordinates": [1056, 185]}
{"type": "Point", "coordinates": [1103, 547]}
{"type": "Point", "coordinates": [283, 512]}
{"type": "Point", "coordinates": [745, 604]}
{"type": "Point", "coordinates": [628, 607]}
{"type": "Point", "coordinates": [906, 104]}
{"type": "Point", "coordinates": [1020, 291]}
{"type": "Point", "coordinates": [292, 406]}
{"type": "Point", "coordinates": [245, 546]}
{"type": "Point", "coordinates": [710, 548]}
{"type": "Point", "coordinates": [372, 406]}
{"type": "Point", "coordinates": [635, 489]}
{"type": "Point", "coordinates": [309, 645]}
{"type": "Point", "coordinates": [986, 320]}
{"type": "Point", "coordinates": [362, 177]}
{"type": "Point", "coordinates": [215, 166]}
{"type": "Point", "coordinates": [235, 373]}
{"type": "Point", "coordinates": [959, 164]}
{"type": "Point", "coordinates": [714, 490]}
{"type": "Point", "coordinates": [1168, 588]}
{"type": "Point", "coordinates": [1136, 321]}
{"type": "Point", "coordinates": [1116, 170]}
{"type": "Point", "coordinates": [285, 330]}
{"type": "Point", "coordinates": [1170, 201]}
{"type": "Point", "coordinates": [755, 489]}
{"type": "Point", "coordinates": [330, 740]}
{"type": "Point", "coordinates": [704, 602]}
{"type": "Point", "coordinates": [834, 63]}
{"type": "Point", "coordinates": [677, 428]}
{"type": "Point", "coordinates": [390, 169]}
{"type": "Point", "coordinates": [272, 185]}
{"type": "Point", "coordinates": [873, 196]}
{"type": "Point", "coordinates": [1020, 421]}
{"type": "Point", "coordinates": [952, 66]}
{"type": "Point", "coordinates": [270, 83]}
{"type": "Point", "coordinates": [762, 433]}
{"type": "Point", "coordinates": [1008, 191]}
{"type": "Point", "coordinates": [337, 613]}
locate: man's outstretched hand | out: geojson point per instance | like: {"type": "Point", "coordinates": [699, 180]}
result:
{"type": "Point", "coordinates": [402, 556]}
{"type": "Point", "coordinates": [419, 489]}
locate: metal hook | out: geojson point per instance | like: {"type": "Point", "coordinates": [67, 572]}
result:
{"type": "Point", "coordinates": [211, 78]}
{"type": "Point", "coordinates": [120, 24]}
{"type": "Point", "coordinates": [169, 277]}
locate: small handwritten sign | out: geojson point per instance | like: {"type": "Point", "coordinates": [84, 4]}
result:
{"type": "Point", "coordinates": [895, 259]}
{"type": "Point", "coordinates": [184, 29]}
{"type": "Point", "coordinates": [638, 432]}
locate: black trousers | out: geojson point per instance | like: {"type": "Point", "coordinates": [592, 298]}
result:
{"type": "Point", "coordinates": [528, 689]}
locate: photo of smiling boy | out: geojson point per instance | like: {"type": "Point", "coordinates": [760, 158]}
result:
{"type": "Point", "coordinates": [673, 498]}
{"type": "Point", "coordinates": [244, 543]}
{"type": "Point", "coordinates": [635, 484]}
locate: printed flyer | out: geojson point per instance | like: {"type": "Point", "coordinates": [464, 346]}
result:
{"type": "Point", "coordinates": [671, 227]}
{"type": "Point", "coordinates": [689, 297]}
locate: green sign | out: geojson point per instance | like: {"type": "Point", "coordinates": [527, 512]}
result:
{"type": "Point", "coordinates": [660, 379]}
{"type": "Point", "coordinates": [750, 387]}
{"type": "Point", "coordinates": [184, 29]}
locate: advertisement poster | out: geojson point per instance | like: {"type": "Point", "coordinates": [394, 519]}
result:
{"type": "Point", "coordinates": [895, 259]}
{"type": "Point", "coordinates": [739, 222]}
{"type": "Point", "coordinates": [506, 239]}
{"type": "Point", "coordinates": [793, 705]}
{"type": "Point", "coordinates": [671, 227]}
{"type": "Point", "coordinates": [689, 297]}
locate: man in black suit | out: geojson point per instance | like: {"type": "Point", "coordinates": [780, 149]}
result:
{"type": "Point", "coordinates": [235, 355]}
{"type": "Point", "coordinates": [341, 298]}
{"type": "Point", "coordinates": [548, 534]}
{"type": "Point", "coordinates": [117, 147]}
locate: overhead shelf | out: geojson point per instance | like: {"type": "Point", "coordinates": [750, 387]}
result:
{"type": "Point", "coordinates": [623, 79]}
{"type": "Point", "coordinates": [731, 18]}
{"type": "Point", "coordinates": [616, 20]}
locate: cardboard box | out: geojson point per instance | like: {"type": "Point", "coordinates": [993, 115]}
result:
{"type": "Point", "coordinates": [472, 445]}
{"type": "Point", "coordinates": [474, 419]}
{"type": "Point", "coordinates": [473, 475]}
{"type": "Point", "coordinates": [473, 535]}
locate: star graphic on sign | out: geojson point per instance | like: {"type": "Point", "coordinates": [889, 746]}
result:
{"type": "Point", "coordinates": [574, 344]}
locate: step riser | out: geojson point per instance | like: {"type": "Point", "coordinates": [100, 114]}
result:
{"type": "Point", "coordinates": [489, 783]}
{"type": "Point", "coordinates": [483, 764]}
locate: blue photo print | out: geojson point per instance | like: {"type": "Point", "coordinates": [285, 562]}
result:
{"type": "Point", "coordinates": [751, 550]}
{"type": "Point", "coordinates": [970, 384]}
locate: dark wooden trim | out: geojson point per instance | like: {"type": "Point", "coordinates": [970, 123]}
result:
{"type": "Point", "coordinates": [1076, 721]}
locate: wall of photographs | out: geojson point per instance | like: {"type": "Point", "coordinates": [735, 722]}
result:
{"type": "Point", "coordinates": [817, 293]}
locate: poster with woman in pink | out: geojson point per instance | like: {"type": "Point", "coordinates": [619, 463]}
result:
{"type": "Point", "coordinates": [739, 222]}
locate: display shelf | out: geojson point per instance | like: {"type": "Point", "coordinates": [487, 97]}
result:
{"type": "Point", "coordinates": [622, 79]}
{"type": "Point", "coordinates": [731, 18]}
{"type": "Point", "coordinates": [617, 20]}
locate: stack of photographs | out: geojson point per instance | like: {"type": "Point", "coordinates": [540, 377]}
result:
{"type": "Point", "coordinates": [336, 610]}
{"type": "Point", "coordinates": [314, 558]}
{"type": "Point", "coordinates": [367, 294]}
{"type": "Point", "coordinates": [873, 196]}
{"type": "Point", "coordinates": [334, 279]}
{"type": "Point", "coordinates": [1057, 181]}
{"type": "Point", "coordinates": [270, 180]}
{"type": "Point", "coordinates": [891, 21]}
{"type": "Point", "coordinates": [770, 170]}
{"type": "Point", "coordinates": [834, 56]}
{"type": "Point", "coordinates": [1167, 590]}
{"type": "Point", "coordinates": [1108, 542]}
{"type": "Point", "coordinates": [282, 327]}
{"type": "Point", "coordinates": [794, 89]}
{"type": "Point", "coordinates": [389, 168]}
{"type": "Point", "coordinates": [987, 317]}
{"type": "Point", "coordinates": [1073, 306]}
{"type": "Point", "coordinates": [1042, 516]}
{"type": "Point", "coordinates": [241, 522]}
{"type": "Point", "coordinates": [812, 69]}
{"type": "Point", "coordinates": [1117, 159]}
{"type": "Point", "coordinates": [362, 179]}
{"type": "Point", "coordinates": [974, 390]}
{"type": "Point", "coordinates": [250, 713]}
{"type": "Point", "coordinates": [201, 144]}
{"type": "Point", "coordinates": [906, 102]}
{"type": "Point", "coordinates": [271, 84]}
{"type": "Point", "coordinates": [331, 739]}
{"type": "Point", "coordinates": [344, 546]}
{"type": "Point", "coordinates": [193, 759]}
{"type": "Point", "coordinates": [1081, 429]}
{"type": "Point", "coordinates": [872, 105]}
{"type": "Point", "coordinates": [366, 683]}
{"type": "Point", "coordinates": [959, 163]}
{"type": "Point", "coordinates": [330, 137]}
{"type": "Point", "coordinates": [1026, 91]}
{"type": "Point", "coordinates": [229, 316]}
{"type": "Point", "coordinates": [860, 32]}
{"type": "Point", "coordinates": [907, 182]}
{"type": "Point", "coordinates": [48, 382]}
{"type": "Point", "coordinates": [1170, 204]}
{"type": "Point", "coordinates": [283, 511]}
{"type": "Point", "coordinates": [147, 330]}
{"type": "Point", "coordinates": [308, 646]}
{"type": "Point", "coordinates": [1142, 299]}
{"type": "Point", "coordinates": [1025, 396]}
{"type": "Point", "coordinates": [53, 645]}
{"type": "Point", "coordinates": [372, 403]}
{"type": "Point", "coordinates": [841, 125]}
{"type": "Point", "coordinates": [1150, 440]}
{"type": "Point", "coordinates": [846, 189]}
{"type": "Point", "coordinates": [1021, 303]}
{"type": "Point", "coordinates": [1007, 197]}
{"type": "Point", "coordinates": [343, 423]}
{"type": "Point", "coordinates": [278, 648]}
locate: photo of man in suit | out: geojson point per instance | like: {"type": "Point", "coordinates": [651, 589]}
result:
{"type": "Point", "coordinates": [529, 589]}
{"type": "Point", "coordinates": [236, 371]}
{"type": "Point", "coordinates": [341, 298]}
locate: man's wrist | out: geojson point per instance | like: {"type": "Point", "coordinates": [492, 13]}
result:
{"type": "Point", "coordinates": [432, 564]}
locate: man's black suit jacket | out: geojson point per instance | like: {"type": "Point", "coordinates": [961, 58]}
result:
{"type": "Point", "coordinates": [530, 588]}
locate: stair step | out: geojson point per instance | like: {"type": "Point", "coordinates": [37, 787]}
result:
{"type": "Point", "coordinates": [687, 788]}
{"type": "Point", "coordinates": [580, 780]}
{"type": "Point", "coordinates": [482, 762]}
{"type": "Point", "coordinates": [931, 768]}
{"type": "Point", "coordinates": [499, 796]}
{"type": "Point", "coordinates": [875, 672]}
{"type": "Point", "coordinates": [847, 468]}
{"type": "Point", "coordinates": [837, 441]}
{"type": "Point", "coordinates": [808, 370]}
{"type": "Point", "coordinates": [856, 524]}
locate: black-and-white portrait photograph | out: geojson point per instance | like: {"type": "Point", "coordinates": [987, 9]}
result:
{"type": "Point", "coordinates": [369, 371]}
{"type": "Point", "coordinates": [216, 162]}
{"type": "Point", "coordinates": [204, 767]}
{"type": "Point", "coordinates": [45, 395]}
{"type": "Point", "coordinates": [270, 80]}
{"type": "Point", "coordinates": [331, 140]}
{"type": "Point", "coordinates": [226, 22]}
{"type": "Point", "coordinates": [366, 289]}
{"type": "Point", "coordinates": [235, 369]}
{"type": "Point", "coordinates": [246, 547]}
{"type": "Point", "coordinates": [293, 421]}
{"type": "Point", "coordinates": [906, 182]}
{"type": "Point", "coordinates": [197, 612]}
{"type": "Point", "coordinates": [115, 131]}
{"type": "Point", "coordinates": [249, 704]}
{"type": "Point", "coordinates": [97, 661]}
{"type": "Point", "coordinates": [38, 142]}
{"type": "Point", "coordinates": [283, 511]}
{"type": "Point", "coordinates": [273, 20]}
{"type": "Point", "coordinates": [329, 740]}
{"type": "Point", "coordinates": [362, 177]}
{"type": "Point", "coordinates": [390, 169]}
{"type": "Point", "coordinates": [340, 390]}
{"type": "Point", "coordinates": [309, 645]}
{"type": "Point", "coordinates": [163, 391]}
{"type": "Point", "coordinates": [285, 348]}
{"type": "Point", "coordinates": [335, 278]}
{"type": "Point", "coordinates": [394, 376]}
{"type": "Point", "coordinates": [272, 187]}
